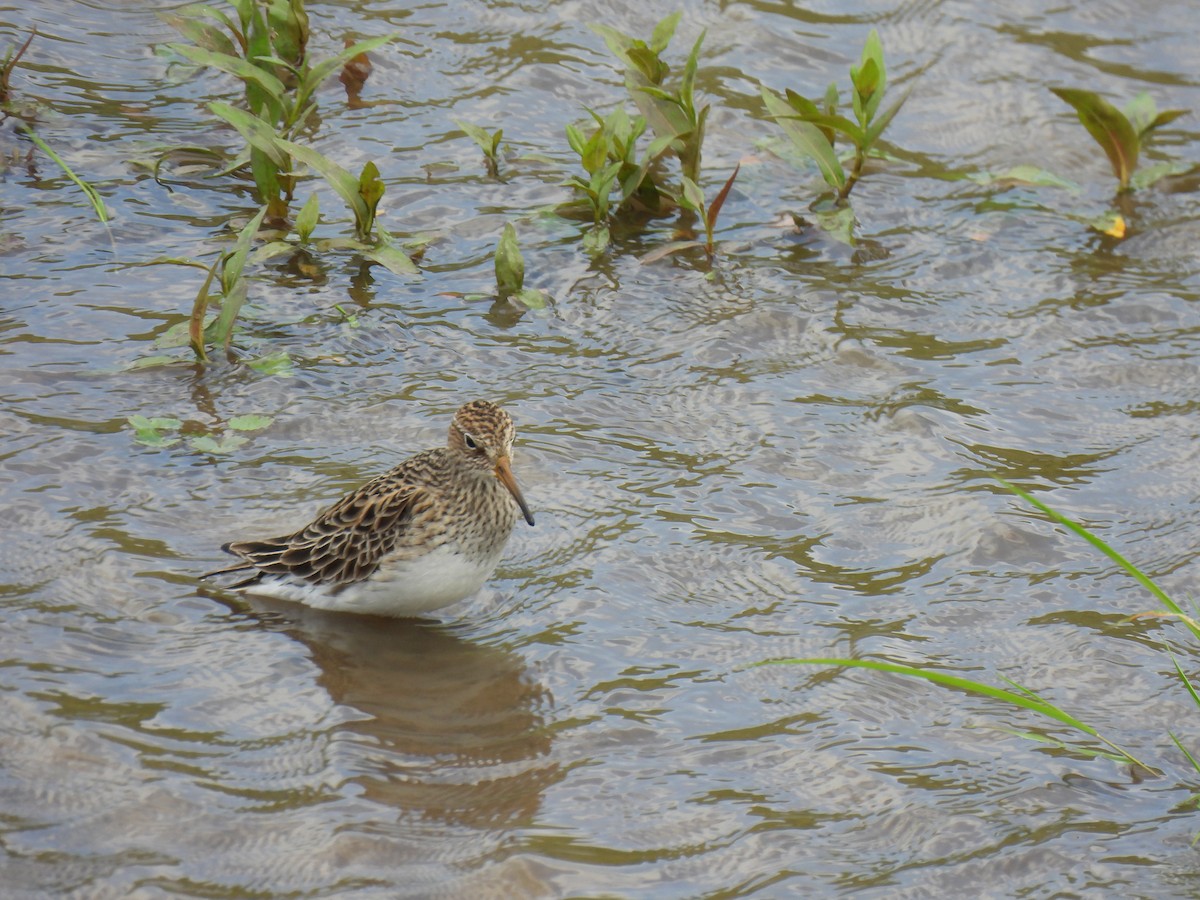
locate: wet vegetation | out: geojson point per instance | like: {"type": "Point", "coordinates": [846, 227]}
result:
{"type": "Point", "coordinates": [265, 46]}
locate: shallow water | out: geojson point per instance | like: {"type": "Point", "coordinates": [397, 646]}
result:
{"type": "Point", "coordinates": [792, 456]}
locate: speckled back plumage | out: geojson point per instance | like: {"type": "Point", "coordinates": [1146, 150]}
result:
{"type": "Point", "coordinates": [451, 499]}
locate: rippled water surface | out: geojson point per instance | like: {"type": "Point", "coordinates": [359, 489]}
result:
{"type": "Point", "coordinates": [789, 456]}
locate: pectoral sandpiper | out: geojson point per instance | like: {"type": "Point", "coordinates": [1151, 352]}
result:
{"type": "Point", "coordinates": [420, 537]}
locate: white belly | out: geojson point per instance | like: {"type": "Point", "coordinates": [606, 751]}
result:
{"type": "Point", "coordinates": [409, 588]}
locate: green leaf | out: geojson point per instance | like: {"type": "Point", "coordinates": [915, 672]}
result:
{"type": "Point", "coordinates": [269, 251]}
{"type": "Point", "coordinates": [480, 136]}
{"type": "Point", "coordinates": [1024, 174]}
{"type": "Point", "coordinates": [596, 239]}
{"type": "Point", "coordinates": [148, 362]}
{"type": "Point", "coordinates": [277, 363]}
{"type": "Point", "coordinates": [1023, 697]}
{"type": "Point", "coordinates": [873, 74]}
{"type": "Point", "coordinates": [231, 305]}
{"type": "Point", "coordinates": [370, 189]}
{"type": "Point", "coordinates": [595, 153]}
{"type": "Point", "coordinates": [1109, 127]}
{"type": "Point", "coordinates": [510, 266]}
{"type": "Point", "coordinates": [664, 31]}
{"type": "Point", "coordinates": [687, 89]}
{"type": "Point", "coordinates": [1100, 545]}
{"type": "Point", "coordinates": [692, 197]}
{"type": "Point", "coordinates": [235, 261]}
{"type": "Point", "coordinates": [807, 138]}
{"type": "Point", "coordinates": [866, 80]}
{"type": "Point", "coordinates": [877, 126]}
{"type": "Point", "coordinates": [531, 298]}
{"type": "Point", "coordinates": [345, 184]}
{"type": "Point", "coordinates": [326, 67]}
{"type": "Point", "coordinates": [149, 431]}
{"type": "Point", "coordinates": [90, 192]}
{"type": "Point", "coordinates": [306, 219]}
{"type": "Point", "coordinates": [666, 250]}
{"type": "Point", "coordinates": [206, 444]}
{"type": "Point", "coordinates": [250, 422]}
{"type": "Point", "coordinates": [200, 33]}
{"type": "Point", "coordinates": [234, 65]}
{"type": "Point", "coordinates": [576, 140]}
{"type": "Point", "coordinates": [391, 257]}
{"type": "Point", "coordinates": [1145, 177]}
{"type": "Point", "coordinates": [618, 43]}
{"type": "Point", "coordinates": [258, 134]}
{"type": "Point", "coordinates": [838, 124]}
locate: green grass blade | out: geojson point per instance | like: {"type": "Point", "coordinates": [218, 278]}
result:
{"type": "Point", "coordinates": [1100, 545]}
{"type": "Point", "coordinates": [90, 192]}
{"type": "Point", "coordinates": [1025, 700]}
{"type": "Point", "coordinates": [1187, 682]}
{"type": "Point", "coordinates": [1184, 750]}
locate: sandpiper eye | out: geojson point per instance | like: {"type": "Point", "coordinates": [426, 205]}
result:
{"type": "Point", "coordinates": [470, 442]}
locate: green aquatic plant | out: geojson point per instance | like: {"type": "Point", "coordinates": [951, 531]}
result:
{"type": "Point", "coordinates": [266, 47]}
{"type": "Point", "coordinates": [672, 114]}
{"type": "Point", "coordinates": [814, 127]}
{"type": "Point", "coordinates": [1023, 697]}
{"type": "Point", "coordinates": [12, 56]}
{"type": "Point", "coordinates": [510, 272]}
{"type": "Point", "coordinates": [90, 192]}
{"type": "Point", "coordinates": [161, 432]}
{"type": "Point", "coordinates": [595, 190]}
{"type": "Point", "coordinates": [1122, 134]}
{"type": "Point", "coordinates": [230, 267]}
{"type": "Point", "coordinates": [692, 199]}
{"type": "Point", "coordinates": [488, 142]}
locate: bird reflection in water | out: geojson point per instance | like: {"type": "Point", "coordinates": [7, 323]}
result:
{"type": "Point", "coordinates": [446, 731]}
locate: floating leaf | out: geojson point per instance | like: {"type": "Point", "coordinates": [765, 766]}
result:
{"type": "Point", "coordinates": [148, 431]}
{"type": "Point", "coordinates": [227, 444]}
{"type": "Point", "coordinates": [277, 363]}
{"type": "Point", "coordinates": [531, 298]}
{"type": "Point", "coordinates": [837, 222]}
{"type": "Point", "coordinates": [250, 422]}
{"type": "Point", "coordinates": [387, 254]}
{"type": "Point", "coordinates": [1024, 174]}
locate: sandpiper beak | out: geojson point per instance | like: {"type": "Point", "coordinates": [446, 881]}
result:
{"type": "Point", "coordinates": [504, 473]}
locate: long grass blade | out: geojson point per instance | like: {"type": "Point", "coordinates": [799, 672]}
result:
{"type": "Point", "coordinates": [90, 192]}
{"type": "Point", "coordinates": [1100, 545]}
{"type": "Point", "coordinates": [1027, 699]}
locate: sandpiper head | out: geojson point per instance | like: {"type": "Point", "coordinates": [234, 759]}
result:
{"type": "Point", "coordinates": [483, 433]}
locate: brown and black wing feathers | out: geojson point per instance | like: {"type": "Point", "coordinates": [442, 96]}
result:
{"type": "Point", "coordinates": [344, 544]}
